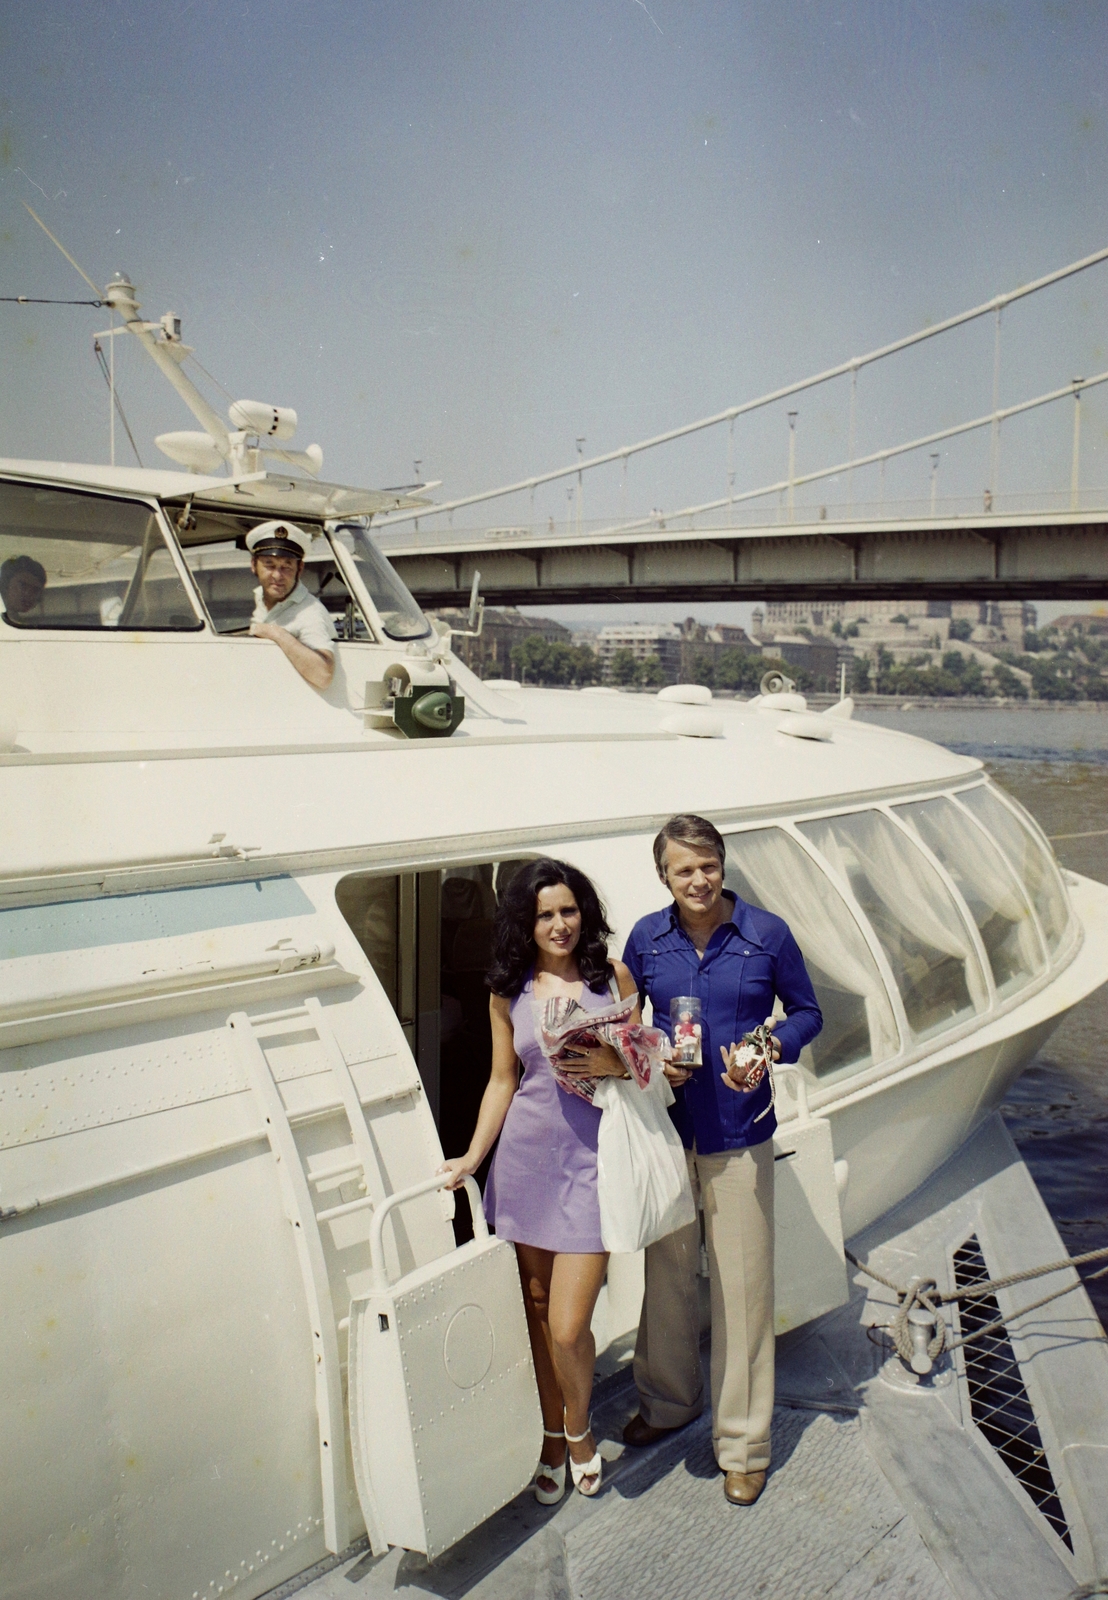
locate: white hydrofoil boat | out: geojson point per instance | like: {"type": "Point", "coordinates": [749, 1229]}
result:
{"type": "Point", "coordinates": [243, 930]}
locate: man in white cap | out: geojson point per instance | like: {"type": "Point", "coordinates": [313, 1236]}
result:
{"type": "Point", "coordinates": [284, 611]}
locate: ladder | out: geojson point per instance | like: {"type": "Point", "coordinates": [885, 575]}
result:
{"type": "Point", "coordinates": [250, 1036]}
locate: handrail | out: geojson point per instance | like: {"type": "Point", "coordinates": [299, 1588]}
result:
{"type": "Point", "coordinates": [803, 1114]}
{"type": "Point", "coordinates": [428, 1185]}
{"type": "Point", "coordinates": [281, 959]}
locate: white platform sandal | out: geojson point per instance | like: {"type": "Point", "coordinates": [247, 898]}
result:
{"type": "Point", "coordinates": [585, 1471]}
{"type": "Point", "coordinates": [554, 1475]}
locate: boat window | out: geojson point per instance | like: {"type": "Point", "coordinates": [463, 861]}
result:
{"type": "Point", "coordinates": [220, 567]}
{"type": "Point", "coordinates": [913, 914]}
{"type": "Point", "coordinates": [1020, 842]}
{"type": "Point", "coordinates": [770, 869]}
{"type": "Point", "coordinates": [987, 884]}
{"type": "Point", "coordinates": [70, 560]}
{"type": "Point", "coordinates": [400, 616]}
{"type": "Point", "coordinates": [142, 918]}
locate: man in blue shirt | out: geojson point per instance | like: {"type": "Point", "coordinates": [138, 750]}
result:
{"type": "Point", "coordinates": [737, 960]}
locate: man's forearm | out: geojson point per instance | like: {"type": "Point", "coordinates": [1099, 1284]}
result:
{"type": "Point", "coordinates": [313, 666]}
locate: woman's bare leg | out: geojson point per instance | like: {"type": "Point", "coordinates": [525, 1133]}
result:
{"type": "Point", "coordinates": [559, 1296]}
{"type": "Point", "coordinates": [535, 1267]}
{"type": "Point", "coordinates": [574, 1285]}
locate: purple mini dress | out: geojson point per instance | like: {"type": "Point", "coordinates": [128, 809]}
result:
{"type": "Point", "coordinates": [541, 1188]}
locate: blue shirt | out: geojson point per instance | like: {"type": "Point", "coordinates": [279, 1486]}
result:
{"type": "Point", "coordinates": [748, 961]}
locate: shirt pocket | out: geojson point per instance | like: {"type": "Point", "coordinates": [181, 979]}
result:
{"type": "Point", "coordinates": [758, 989]}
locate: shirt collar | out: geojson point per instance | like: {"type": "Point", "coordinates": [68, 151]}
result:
{"type": "Point", "coordinates": [295, 594]}
{"type": "Point", "coordinates": [742, 919]}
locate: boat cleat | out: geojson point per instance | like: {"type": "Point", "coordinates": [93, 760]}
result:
{"type": "Point", "coordinates": [898, 1375]}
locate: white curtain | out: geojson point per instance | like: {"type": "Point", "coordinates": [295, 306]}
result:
{"type": "Point", "coordinates": [978, 869]}
{"type": "Point", "coordinates": [789, 883]}
{"type": "Point", "coordinates": [902, 878]}
{"type": "Point", "coordinates": [1027, 854]}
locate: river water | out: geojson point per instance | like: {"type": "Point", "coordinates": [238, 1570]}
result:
{"type": "Point", "coordinates": [1055, 762]}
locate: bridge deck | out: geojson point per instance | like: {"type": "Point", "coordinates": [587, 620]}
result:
{"type": "Point", "coordinates": [1057, 555]}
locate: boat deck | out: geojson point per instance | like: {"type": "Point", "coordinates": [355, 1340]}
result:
{"type": "Point", "coordinates": [661, 1528]}
{"type": "Point", "coordinates": [879, 1486]}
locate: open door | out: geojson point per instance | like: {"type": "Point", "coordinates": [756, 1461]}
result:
{"type": "Point", "coordinates": [441, 1378]}
{"type": "Point", "coordinates": [428, 936]}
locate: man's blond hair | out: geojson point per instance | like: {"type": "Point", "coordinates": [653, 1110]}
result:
{"type": "Point", "coordinates": [696, 832]}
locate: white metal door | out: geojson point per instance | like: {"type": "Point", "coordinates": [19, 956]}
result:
{"type": "Point", "coordinates": [444, 1409]}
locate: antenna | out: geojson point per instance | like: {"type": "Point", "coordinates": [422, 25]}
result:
{"type": "Point", "coordinates": [112, 402]}
{"type": "Point", "coordinates": [80, 270]}
{"type": "Point", "coordinates": [217, 445]}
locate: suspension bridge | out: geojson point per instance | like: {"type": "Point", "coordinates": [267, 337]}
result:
{"type": "Point", "coordinates": [827, 533]}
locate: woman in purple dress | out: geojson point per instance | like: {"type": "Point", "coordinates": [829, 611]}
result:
{"type": "Point", "coordinates": [550, 940]}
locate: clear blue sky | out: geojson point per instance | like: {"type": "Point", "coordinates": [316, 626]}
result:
{"type": "Point", "coordinates": [471, 232]}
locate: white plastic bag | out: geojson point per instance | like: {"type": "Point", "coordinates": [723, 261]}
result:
{"type": "Point", "coordinates": [642, 1175]}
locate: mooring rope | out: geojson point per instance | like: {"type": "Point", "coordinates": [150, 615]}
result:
{"type": "Point", "coordinates": [925, 1292]}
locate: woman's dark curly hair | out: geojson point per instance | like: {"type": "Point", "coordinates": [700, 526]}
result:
{"type": "Point", "coordinates": [513, 946]}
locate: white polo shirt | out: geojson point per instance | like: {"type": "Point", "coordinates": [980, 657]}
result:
{"type": "Point", "coordinates": [305, 617]}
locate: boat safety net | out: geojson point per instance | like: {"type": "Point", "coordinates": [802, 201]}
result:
{"type": "Point", "coordinates": [999, 1402]}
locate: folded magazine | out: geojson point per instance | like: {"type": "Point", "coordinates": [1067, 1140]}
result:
{"type": "Point", "coordinates": [567, 1027]}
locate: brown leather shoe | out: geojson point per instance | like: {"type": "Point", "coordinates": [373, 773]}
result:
{"type": "Point", "coordinates": [743, 1488]}
{"type": "Point", "coordinates": [639, 1432]}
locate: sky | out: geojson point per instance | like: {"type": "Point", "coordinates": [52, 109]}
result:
{"type": "Point", "coordinates": [469, 233]}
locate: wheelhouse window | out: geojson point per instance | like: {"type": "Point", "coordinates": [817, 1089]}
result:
{"type": "Point", "coordinates": [85, 561]}
{"type": "Point", "coordinates": [400, 616]}
{"type": "Point", "coordinates": [767, 867]}
{"type": "Point", "coordinates": [988, 885]}
{"type": "Point", "coordinates": [913, 914]}
{"type": "Point", "coordinates": [216, 555]}
{"type": "Point", "coordinates": [1016, 835]}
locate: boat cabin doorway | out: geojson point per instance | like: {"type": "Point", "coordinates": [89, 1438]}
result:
{"type": "Point", "coordinates": [428, 937]}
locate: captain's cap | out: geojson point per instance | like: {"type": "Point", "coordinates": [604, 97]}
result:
{"type": "Point", "coordinates": [283, 537]}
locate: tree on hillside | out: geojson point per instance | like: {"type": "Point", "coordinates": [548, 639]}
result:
{"type": "Point", "coordinates": [739, 670]}
{"type": "Point", "coordinates": [622, 668]}
{"type": "Point", "coordinates": [1050, 682]}
{"type": "Point", "coordinates": [586, 664]}
{"type": "Point", "coordinates": [701, 669]}
{"type": "Point", "coordinates": [529, 656]}
{"type": "Point", "coordinates": [552, 661]}
{"type": "Point", "coordinates": [1005, 682]}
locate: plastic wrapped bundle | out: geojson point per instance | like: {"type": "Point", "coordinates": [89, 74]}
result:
{"type": "Point", "coordinates": [567, 1028]}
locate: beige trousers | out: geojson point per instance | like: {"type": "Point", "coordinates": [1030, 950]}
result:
{"type": "Point", "coordinates": [736, 1187]}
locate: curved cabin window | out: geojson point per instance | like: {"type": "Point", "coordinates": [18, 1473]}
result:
{"type": "Point", "coordinates": [770, 869]}
{"type": "Point", "coordinates": [1024, 849]}
{"type": "Point", "coordinates": [913, 914]}
{"type": "Point", "coordinates": [988, 885]}
{"type": "Point", "coordinates": [71, 560]}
